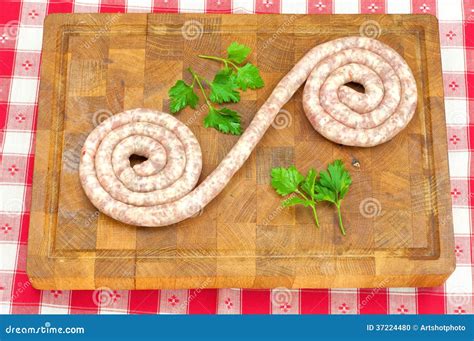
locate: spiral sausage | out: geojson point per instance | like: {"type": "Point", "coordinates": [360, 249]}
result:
{"type": "Point", "coordinates": [161, 191]}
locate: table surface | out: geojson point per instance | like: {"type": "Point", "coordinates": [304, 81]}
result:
{"type": "Point", "coordinates": [20, 52]}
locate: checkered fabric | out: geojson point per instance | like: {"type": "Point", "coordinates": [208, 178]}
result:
{"type": "Point", "coordinates": [20, 55]}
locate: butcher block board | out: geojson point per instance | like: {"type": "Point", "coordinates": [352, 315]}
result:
{"type": "Point", "coordinates": [397, 213]}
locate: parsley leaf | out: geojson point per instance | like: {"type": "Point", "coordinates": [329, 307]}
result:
{"type": "Point", "coordinates": [237, 52]}
{"type": "Point", "coordinates": [308, 184]}
{"type": "Point", "coordinates": [324, 194]}
{"type": "Point", "coordinates": [286, 181]}
{"type": "Point", "coordinates": [182, 95]}
{"type": "Point", "coordinates": [248, 76]}
{"type": "Point", "coordinates": [223, 88]}
{"type": "Point", "coordinates": [296, 201]}
{"type": "Point", "coordinates": [224, 120]}
{"type": "Point", "coordinates": [336, 179]}
{"type": "Point", "coordinates": [333, 186]}
{"type": "Point", "coordinates": [289, 180]}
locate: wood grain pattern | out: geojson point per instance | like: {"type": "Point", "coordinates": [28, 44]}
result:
{"type": "Point", "coordinates": [95, 65]}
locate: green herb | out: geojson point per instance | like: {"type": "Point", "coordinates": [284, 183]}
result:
{"type": "Point", "coordinates": [289, 180]}
{"type": "Point", "coordinates": [224, 120]}
{"type": "Point", "coordinates": [247, 76]}
{"type": "Point", "coordinates": [182, 95]}
{"type": "Point", "coordinates": [332, 186]}
{"type": "Point", "coordinates": [222, 89]}
{"type": "Point", "coordinates": [238, 52]}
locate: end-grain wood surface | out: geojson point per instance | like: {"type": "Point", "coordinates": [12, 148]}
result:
{"type": "Point", "coordinates": [397, 212]}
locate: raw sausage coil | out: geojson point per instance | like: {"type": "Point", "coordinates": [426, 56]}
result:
{"type": "Point", "coordinates": [161, 191]}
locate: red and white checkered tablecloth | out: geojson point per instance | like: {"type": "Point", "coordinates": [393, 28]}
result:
{"type": "Point", "coordinates": [20, 53]}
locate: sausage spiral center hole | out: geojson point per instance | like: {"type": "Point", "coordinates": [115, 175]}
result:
{"type": "Point", "coordinates": [356, 86]}
{"type": "Point", "coordinates": [136, 159]}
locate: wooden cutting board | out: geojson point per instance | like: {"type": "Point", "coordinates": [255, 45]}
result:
{"type": "Point", "coordinates": [397, 213]}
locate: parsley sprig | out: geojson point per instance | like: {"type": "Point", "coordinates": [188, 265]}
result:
{"type": "Point", "coordinates": [224, 88]}
{"type": "Point", "coordinates": [247, 76]}
{"type": "Point", "coordinates": [331, 186]}
{"type": "Point", "coordinates": [223, 119]}
{"type": "Point", "coordinates": [290, 181]}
